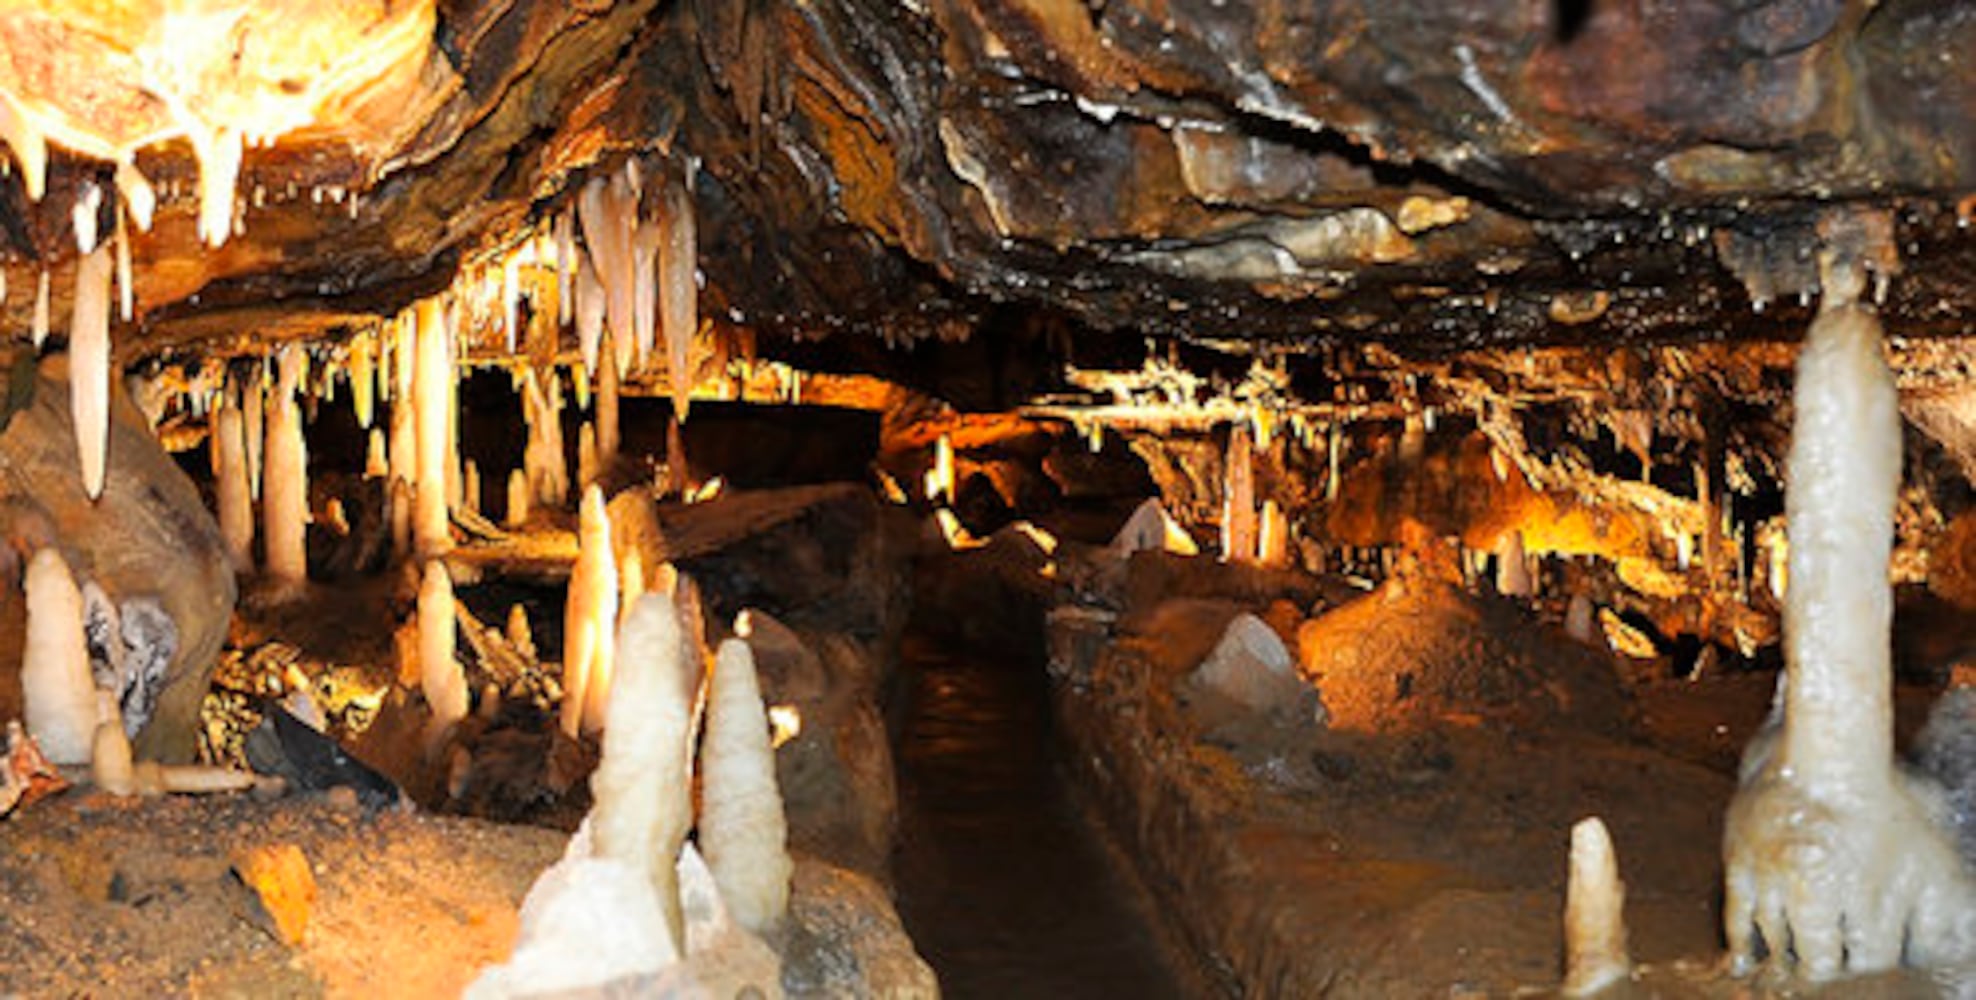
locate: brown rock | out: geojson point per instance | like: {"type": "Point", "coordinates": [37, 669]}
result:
{"type": "Point", "coordinates": [281, 880]}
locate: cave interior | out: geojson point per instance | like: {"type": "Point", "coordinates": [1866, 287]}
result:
{"type": "Point", "coordinates": [1292, 498]}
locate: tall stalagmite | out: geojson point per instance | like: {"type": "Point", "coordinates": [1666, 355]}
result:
{"type": "Point", "coordinates": [742, 830]}
{"type": "Point", "coordinates": [432, 387]}
{"type": "Point", "coordinates": [285, 493]}
{"type": "Point", "coordinates": [58, 692]}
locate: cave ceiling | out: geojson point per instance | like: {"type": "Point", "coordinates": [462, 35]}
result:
{"type": "Point", "coordinates": [1291, 175]}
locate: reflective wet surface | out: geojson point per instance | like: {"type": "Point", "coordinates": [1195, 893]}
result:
{"type": "Point", "coordinates": [1003, 887]}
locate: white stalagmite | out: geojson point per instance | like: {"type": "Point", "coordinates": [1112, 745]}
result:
{"type": "Point", "coordinates": [39, 328]}
{"type": "Point", "coordinates": [1151, 527]}
{"type": "Point", "coordinates": [679, 290]}
{"type": "Point", "coordinates": [218, 153]}
{"type": "Point", "coordinates": [1595, 953]}
{"type": "Point", "coordinates": [642, 784]}
{"type": "Point", "coordinates": [236, 504]}
{"type": "Point", "coordinates": [1238, 499]}
{"type": "Point", "coordinates": [589, 613]}
{"type": "Point", "coordinates": [432, 386]}
{"type": "Point", "coordinates": [285, 487]}
{"type": "Point", "coordinates": [363, 377]}
{"type": "Point", "coordinates": [742, 830]}
{"type": "Point", "coordinates": [440, 676]}
{"type": "Point", "coordinates": [1832, 856]}
{"type": "Point", "coordinates": [89, 367]}
{"type": "Point", "coordinates": [607, 417]}
{"type": "Point", "coordinates": [58, 692]}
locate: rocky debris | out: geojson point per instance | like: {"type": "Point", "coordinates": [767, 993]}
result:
{"type": "Point", "coordinates": [284, 887]}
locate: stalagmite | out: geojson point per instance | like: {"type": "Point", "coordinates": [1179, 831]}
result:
{"type": "Point", "coordinates": [743, 834]}
{"type": "Point", "coordinates": [518, 493]}
{"type": "Point", "coordinates": [377, 463]}
{"type": "Point", "coordinates": [89, 367]}
{"type": "Point", "coordinates": [285, 490]}
{"type": "Point", "coordinates": [1151, 527]}
{"type": "Point", "coordinates": [586, 456]}
{"type": "Point", "coordinates": [542, 457]}
{"type": "Point", "coordinates": [940, 478]}
{"type": "Point", "coordinates": [470, 486]}
{"type": "Point", "coordinates": [236, 504]}
{"type": "Point", "coordinates": [400, 502]}
{"type": "Point", "coordinates": [82, 217]}
{"type": "Point", "coordinates": [1581, 621]}
{"type": "Point", "coordinates": [431, 392]}
{"type": "Point", "coordinates": [1238, 499]}
{"type": "Point", "coordinates": [607, 417]}
{"type": "Point", "coordinates": [679, 291]}
{"type": "Point", "coordinates": [440, 675]}
{"type": "Point", "coordinates": [1595, 954]}
{"type": "Point", "coordinates": [589, 612]}
{"type": "Point", "coordinates": [642, 783]}
{"type": "Point", "coordinates": [110, 764]}
{"type": "Point", "coordinates": [39, 329]}
{"type": "Point", "coordinates": [363, 378]}
{"type": "Point", "coordinates": [1513, 567]}
{"type": "Point", "coordinates": [1832, 856]}
{"type": "Point", "coordinates": [404, 411]}
{"type": "Point", "coordinates": [58, 693]}
{"type": "Point", "coordinates": [1273, 538]}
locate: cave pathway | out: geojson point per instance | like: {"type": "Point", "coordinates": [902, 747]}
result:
{"type": "Point", "coordinates": [1004, 887]}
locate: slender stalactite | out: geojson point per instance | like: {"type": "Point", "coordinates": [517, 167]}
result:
{"type": "Point", "coordinates": [89, 367]}
{"type": "Point", "coordinates": [679, 292]}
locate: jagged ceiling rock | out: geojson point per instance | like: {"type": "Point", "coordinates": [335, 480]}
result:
{"type": "Point", "coordinates": [1428, 175]}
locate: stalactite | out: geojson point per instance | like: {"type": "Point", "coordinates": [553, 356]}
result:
{"type": "Point", "coordinates": [285, 504]}
{"type": "Point", "coordinates": [136, 194]}
{"type": "Point", "coordinates": [399, 499]}
{"type": "Point", "coordinates": [404, 407]}
{"type": "Point", "coordinates": [377, 463]}
{"type": "Point", "coordinates": [431, 392]}
{"type": "Point", "coordinates": [608, 211]}
{"type": "Point", "coordinates": [126, 293]}
{"type": "Point", "coordinates": [743, 832]}
{"type": "Point", "coordinates": [589, 318]}
{"type": "Point", "coordinates": [82, 216]}
{"type": "Point", "coordinates": [589, 612]}
{"type": "Point", "coordinates": [218, 153]}
{"type": "Point", "coordinates": [645, 285]}
{"type": "Point", "coordinates": [440, 675]}
{"type": "Point", "coordinates": [1513, 567]}
{"type": "Point", "coordinates": [28, 144]}
{"type": "Point", "coordinates": [566, 264]}
{"type": "Point", "coordinates": [586, 456]}
{"type": "Point", "coordinates": [89, 367]}
{"type": "Point", "coordinates": [679, 293]}
{"type": "Point", "coordinates": [236, 504]}
{"type": "Point", "coordinates": [58, 693]}
{"type": "Point", "coordinates": [253, 413]}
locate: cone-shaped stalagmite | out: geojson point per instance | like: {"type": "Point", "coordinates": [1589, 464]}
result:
{"type": "Point", "coordinates": [1595, 953]}
{"type": "Point", "coordinates": [589, 615]}
{"type": "Point", "coordinates": [440, 677]}
{"type": "Point", "coordinates": [1238, 499]}
{"type": "Point", "coordinates": [58, 691]}
{"type": "Point", "coordinates": [742, 830]}
{"type": "Point", "coordinates": [641, 785]}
